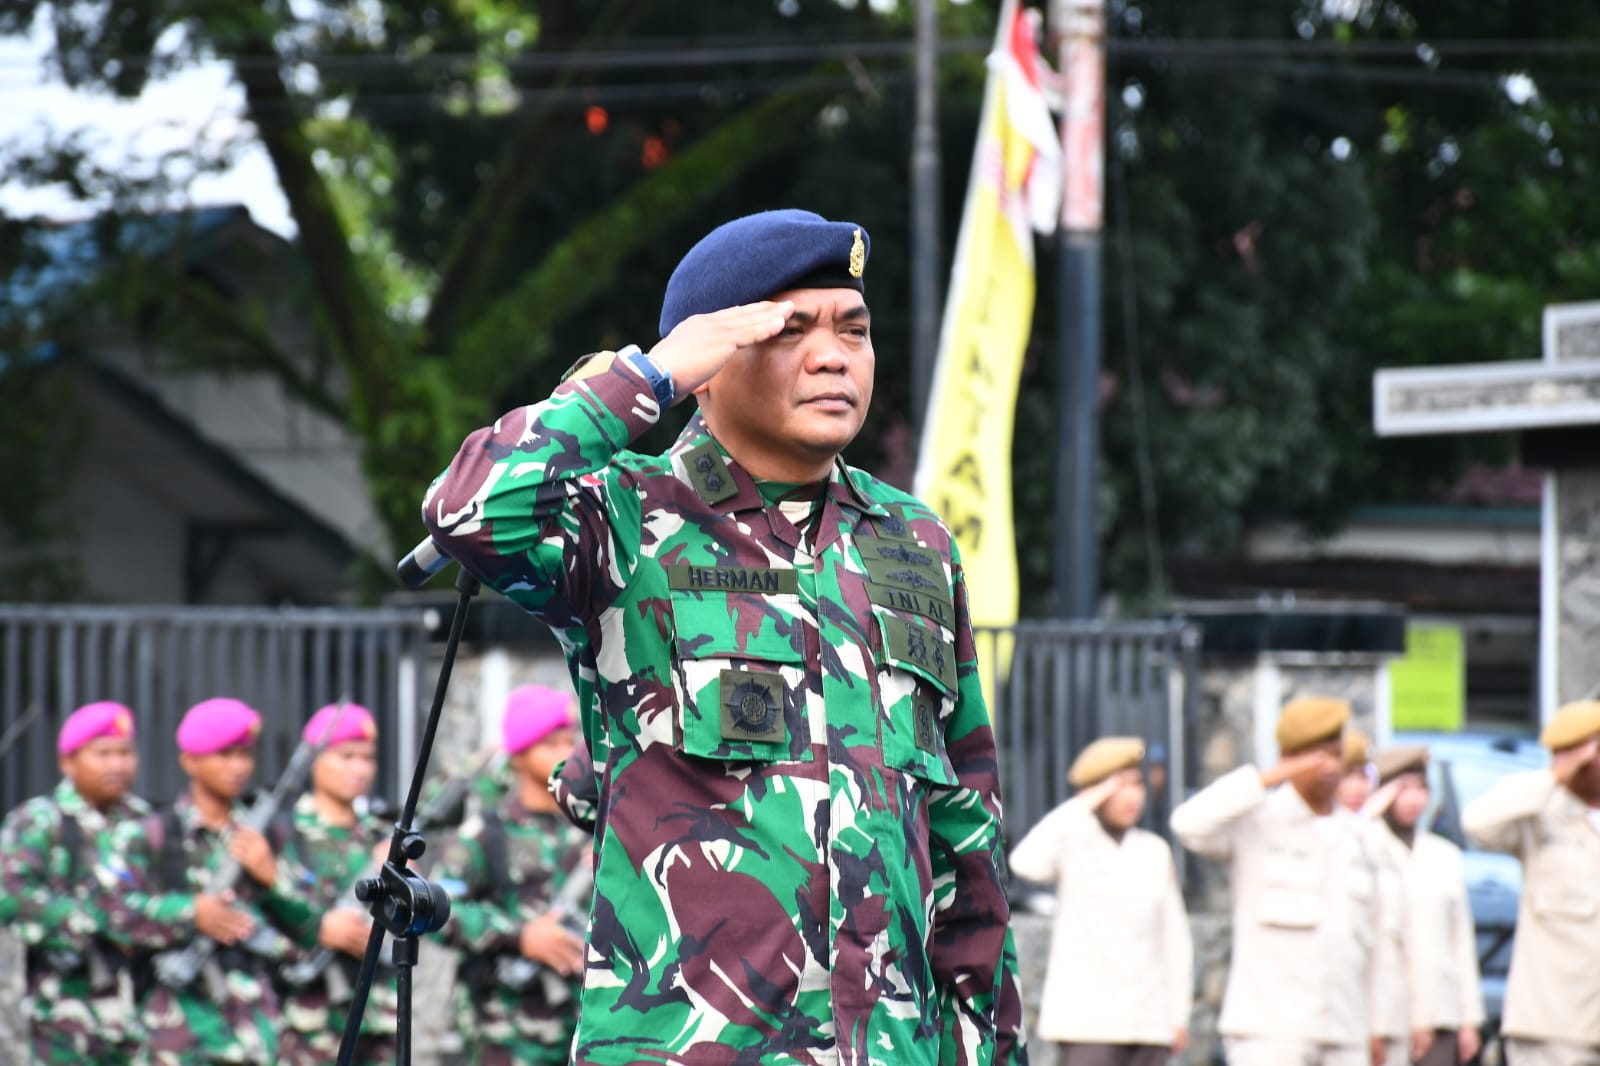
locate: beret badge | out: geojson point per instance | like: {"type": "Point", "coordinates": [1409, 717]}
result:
{"type": "Point", "coordinates": [858, 255]}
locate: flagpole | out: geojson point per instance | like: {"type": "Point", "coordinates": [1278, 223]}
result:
{"type": "Point", "coordinates": [1080, 25]}
{"type": "Point", "coordinates": [925, 237]}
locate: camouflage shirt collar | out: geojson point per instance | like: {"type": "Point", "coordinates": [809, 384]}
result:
{"type": "Point", "coordinates": [843, 486]}
{"type": "Point", "coordinates": [189, 814]}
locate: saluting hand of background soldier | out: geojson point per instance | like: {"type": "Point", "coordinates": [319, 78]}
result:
{"type": "Point", "coordinates": [1565, 764]}
{"type": "Point", "coordinates": [546, 940]}
{"type": "Point", "coordinates": [701, 345]}
{"type": "Point", "coordinates": [1319, 758]}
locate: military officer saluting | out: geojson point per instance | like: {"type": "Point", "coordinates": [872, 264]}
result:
{"type": "Point", "coordinates": [79, 1001]}
{"type": "Point", "coordinates": [1433, 997]}
{"type": "Point", "coordinates": [1550, 819]}
{"type": "Point", "coordinates": [1306, 909]}
{"type": "Point", "coordinates": [1119, 985]}
{"type": "Point", "coordinates": [799, 824]}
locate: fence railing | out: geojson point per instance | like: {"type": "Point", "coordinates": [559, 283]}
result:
{"type": "Point", "coordinates": [1056, 686]}
{"type": "Point", "coordinates": [162, 660]}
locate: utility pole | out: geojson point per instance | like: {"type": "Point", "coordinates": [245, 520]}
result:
{"type": "Point", "coordinates": [925, 251]}
{"type": "Point", "coordinates": [1080, 26]}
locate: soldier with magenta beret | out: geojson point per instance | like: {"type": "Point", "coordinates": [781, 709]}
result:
{"type": "Point", "coordinates": [80, 996]}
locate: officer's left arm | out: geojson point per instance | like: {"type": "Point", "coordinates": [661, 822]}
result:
{"type": "Point", "coordinates": [40, 914]}
{"type": "Point", "coordinates": [1464, 944]}
{"type": "Point", "coordinates": [971, 953]}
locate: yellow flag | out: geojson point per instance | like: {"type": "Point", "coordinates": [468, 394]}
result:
{"type": "Point", "coordinates": [964, 463]}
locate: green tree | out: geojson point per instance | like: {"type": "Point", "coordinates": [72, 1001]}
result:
{"type": "Point", "coordinates": [484, 190]}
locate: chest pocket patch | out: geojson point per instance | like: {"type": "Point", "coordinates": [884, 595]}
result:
{"type": "Point", "coordinates": [917, 683]}
{"type": "Point", "coordinates": [738, 675]}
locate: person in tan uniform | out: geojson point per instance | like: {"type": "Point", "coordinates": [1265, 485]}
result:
{"type": "Point", "coordinates": [1550, 819]}
{"type": "Point", "coordinates": [1432, 1004]}
{"type": "Point", "coordinates": [1306, 909]}
{"type": "Point", "coordinates": [1356, 784]}
{"type": "Point", "coordinates": [1119, 984]}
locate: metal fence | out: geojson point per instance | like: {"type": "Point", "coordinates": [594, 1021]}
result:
{"type": "Point", "coordinates": [1056, 686]}
{"type": "Point", "coordinates": [162, 660]}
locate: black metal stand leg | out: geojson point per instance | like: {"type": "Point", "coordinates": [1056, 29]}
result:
{"type": "Point", "coordinates": [404, 905]}
{"type": "Point", "coordinates": [405, 960]}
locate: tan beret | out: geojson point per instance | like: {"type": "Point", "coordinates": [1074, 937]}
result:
{"type": "Point", "coordinates": [1310, 720]}
{"type": "Point", "coordinates": [1573, 724]}
{"type": "Point", "coordinates": [1392, 762]}
{"type": "Point", "coordinates": [1103, 758]}
{"type": "Point", "coordinates": [1356, 747]}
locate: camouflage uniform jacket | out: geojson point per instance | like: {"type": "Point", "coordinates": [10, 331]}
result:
{"type": "Point", "coordinates": [532, 859]}
{"type": "Point", "coordinates": [149, 915]}
{"type": "Point", "coordinates": [55, 914]}
{"type": "Point", "coordinates": [333, 858]}
{"type": "Point", "coordinates": [799, 828]}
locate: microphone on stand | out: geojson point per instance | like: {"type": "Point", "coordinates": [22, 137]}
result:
{"type": "Point", "coordinates": [421, 563]}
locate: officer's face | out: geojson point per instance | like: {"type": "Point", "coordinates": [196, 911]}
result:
{"type": "Point", "coordinates": [1125, 806]}
{"type": "Point", "coordinates": [345, 771]}
{"type": "Point", "coordinates": [786, 407]}
{"type": "Point", "coordinates": [102, 770]}
{"type": "Point", "coordinates": [1410, 800]}
{"type": "Point", "coordinates": [224, 774]}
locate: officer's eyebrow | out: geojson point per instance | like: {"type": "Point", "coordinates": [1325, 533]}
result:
{"type": "Point", "coordinates": [807, 319]}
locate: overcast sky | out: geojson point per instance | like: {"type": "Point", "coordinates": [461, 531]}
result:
{"type": "Point", "coordinates": [198, 105]}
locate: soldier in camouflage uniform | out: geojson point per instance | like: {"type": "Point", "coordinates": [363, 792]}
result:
{"type": "Point", "coordinates": [80, 995]}
{"type": "Point", "coordinates": [154, 877]}
{"type": "Point", "coordinates": [799, 829]}
{"type": "Point", "coordinates": [328, 838]}
{"type": "Point", "coordinates": [503, 872]}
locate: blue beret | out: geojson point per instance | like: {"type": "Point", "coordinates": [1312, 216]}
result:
{"type": "Point", "coordinates": [754, 257]}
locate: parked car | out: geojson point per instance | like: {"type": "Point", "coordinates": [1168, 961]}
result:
{"type": "Point", "coordinates": [1464, 766]}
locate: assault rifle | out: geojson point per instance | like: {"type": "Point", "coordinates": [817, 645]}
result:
{"type": "Point", "coordinates": [180, 967]}
{"type": "Point", "coordinates": [515, 973]}
{"type": "Point", "coordinates": [320, 962]}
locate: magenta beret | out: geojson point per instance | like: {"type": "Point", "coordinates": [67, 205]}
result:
{"type": "Point", "coordinates": [93, 721]}
{"type": "Point", "coordinates": [355, 723]}
{"type": "Point", "coordinates": [213, 725]}
{"type": "Point", "coordinates": [533, 712]}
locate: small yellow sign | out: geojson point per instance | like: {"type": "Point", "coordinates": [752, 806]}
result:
{"type": "Point", "coordinates": [1428, 685]}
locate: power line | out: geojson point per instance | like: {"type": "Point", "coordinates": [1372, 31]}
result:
{"type": "Point", "coordinates": [653, 55]}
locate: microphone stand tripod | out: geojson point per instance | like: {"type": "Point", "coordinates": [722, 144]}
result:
{"type": "Point", "coordinates": [404, 905]}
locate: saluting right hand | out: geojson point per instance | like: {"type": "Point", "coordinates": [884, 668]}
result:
{"type": "Point", "coordinates": [1566, 764]}
{"type": "Point", "coordinates": [546, 940]}
{"type": "Point", "coordinates": [215, 918]}
{"type": "Point", "coordinates": [1320, 760]}
{"type": "Point", "coordinates": [701, 345]}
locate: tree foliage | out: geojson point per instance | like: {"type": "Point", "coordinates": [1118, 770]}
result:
{"type": "Point", "coordinates": [485, 189]}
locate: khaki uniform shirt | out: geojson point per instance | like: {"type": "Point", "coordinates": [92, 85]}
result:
{"type": "Point", "coordinates": [1306, 911]}
{"type": "Point", "coordinates": [1435, 983]}
{"type": "Point", "coordinates": [1554, 990]}
{"type": "Point", "coordinates": [1121, 965]}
